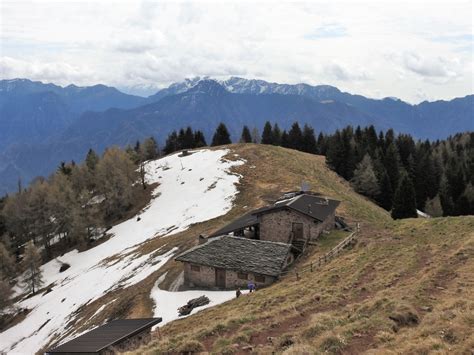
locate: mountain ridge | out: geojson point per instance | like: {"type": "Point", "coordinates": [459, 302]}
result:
{"type": "Point", "coordinates": [88, 117]}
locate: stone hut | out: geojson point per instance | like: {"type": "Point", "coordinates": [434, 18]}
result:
{"type": "Point", "coordinates": [114, 337]}
{"type": "Point", "coordinates": [296, 219]}
{"type": "Point", "coordinates": [229, 262]}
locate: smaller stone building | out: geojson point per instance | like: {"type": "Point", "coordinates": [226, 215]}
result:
{"type": "Point", "coordinates": [112, 338]}
{"type": "Point", "coordinates": [229, 262]}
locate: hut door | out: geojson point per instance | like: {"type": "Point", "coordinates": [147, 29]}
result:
{"type": "Point", "coordinates": [220, 278]}
{"type": "Point", "coordinates": [298, 231]}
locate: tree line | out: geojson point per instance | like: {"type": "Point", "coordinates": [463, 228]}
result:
{"type": "Point", "coordinates": [77, 203]}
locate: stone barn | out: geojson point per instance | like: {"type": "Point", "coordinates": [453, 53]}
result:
{"type": "Point", "coordinates": [295, 219]}
{"type": "Point", "coordinates": [115, 337]}
{"type": "Point", "coordinates": [229, 262]}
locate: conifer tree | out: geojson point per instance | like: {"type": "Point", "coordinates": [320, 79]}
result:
{"type": "Point", "coordinates": [33, 279]}
{"type": "Point", "coordinates": [245, 137]}
{"type": "Point", "coordinates": [221, 136]}
{"type": "Point", "coordinates": [386, 193]}
{"type": "Point", "coordinates": [284, 139]}
{"type": "Point", "coordinates": [267, 134]}
{"type": "Point", "coordinates": [171, 144]}
{"type": "Point", "coordinates": [276, 133]}
{"type": "Point", "coordinates": [295, 137]}
{"type": "Point", "coordinates": [308, 140]}
{"type": "Point", "coordinates": [199, 139]}
{"type": "Point", "coordinates": [91, 159]}
{"type": "Point", "coordinates": [364, 180]}
{"type": "Point", "coordinates": [404, 199]}
{"type": "Point", "coordinates": [391, 163]}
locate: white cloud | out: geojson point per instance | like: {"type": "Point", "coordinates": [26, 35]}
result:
{"type": "Point", "coordinates": [363, 47]}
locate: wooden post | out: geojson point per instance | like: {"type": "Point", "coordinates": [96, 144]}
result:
{"type": "Point", "coordinates": [311, 266]}
{"type": "Point", "coordinates": [297, 277]}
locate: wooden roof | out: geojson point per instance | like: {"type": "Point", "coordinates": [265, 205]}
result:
{"type": "Point", "coordinates": [106, 335]}
{"type": "Point", "coordinates": [239, 254]}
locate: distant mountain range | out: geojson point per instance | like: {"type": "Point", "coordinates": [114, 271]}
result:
{"type": "Point", "coordinates": [43, 124]}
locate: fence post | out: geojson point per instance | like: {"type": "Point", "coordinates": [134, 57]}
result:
{"type": "Point", "coordinates": [311, 266]}
{"type": "Point", "coordinates": [297, 276]}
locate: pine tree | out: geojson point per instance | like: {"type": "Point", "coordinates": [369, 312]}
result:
{"type": "Point", "coordinates": [91, 159]}
{"type": "Point", "coordinates": [404, 199]}
{"type": "Point", "coordinates": [446, 197]}
{"type": "Point", "coordinates": [364, 180]}
{"type": "Point", "coordinates": [246, 137]}
{"type": "Point", "coordinates": [295, 137]}
{"type": "Point", "coordinates": [199, 139]}
{"type": "Point", "coordinates": [276, 133]}
{"type": "Point", "coordinates": [171, 144]}
{"type": "Point", "coordinates": [285, 140]}
{"type": "Point", "coordinates": [221, 136]}
{"type": "Point", "coordinates": [386, 193]}
{"type": "Point", "coordinates": [308, 140]}
{"type": "Point", "coordinates": [33, 279]}
{"type": "Point", "coordinates": [391, 163]}
{"type": "Point", "coordinates": [267, 134]}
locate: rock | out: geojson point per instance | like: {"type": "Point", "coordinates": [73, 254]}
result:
{"type": "Point", "coordinates": [247, 348]}
{"type": "Point", "coordinates": [427, 308]}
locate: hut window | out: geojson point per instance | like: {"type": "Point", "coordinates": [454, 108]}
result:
{"type": "Point", "coordinates": [259, 278]}
{"type": "Point", "coordinates": [195, 268]}
{"type": "Point", "coordinates": [242, 275]}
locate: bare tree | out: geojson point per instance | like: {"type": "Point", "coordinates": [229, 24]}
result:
{"type": "Point", "coordinates": [33, 279]}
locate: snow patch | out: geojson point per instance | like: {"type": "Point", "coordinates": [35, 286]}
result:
{"type": "Point", "coordinates": [181, 199]}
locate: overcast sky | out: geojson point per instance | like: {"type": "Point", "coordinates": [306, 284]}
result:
{"type": "Point", "coordinates": [416, 50]}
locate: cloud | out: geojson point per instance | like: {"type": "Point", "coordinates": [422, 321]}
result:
{"type": "Point", "coordinates": [434, 67]}
{"type": "Point", "coordinates": [343, 73]}
{"type": "Point", "coordinates": [332, 30]}
{"type": "Point", "coordinates": [61, 73]}
{"type": "Point", "coordinates": [149, 44]}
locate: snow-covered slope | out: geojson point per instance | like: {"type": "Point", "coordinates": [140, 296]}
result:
{"type": "Point", "coordinates": [192, 189]}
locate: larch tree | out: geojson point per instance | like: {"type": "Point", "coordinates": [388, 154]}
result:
{"type": "Point", "coordinates": [404, 199]}
{"type": "Point", "coordinates": [7, 264]}
{"type": "Point", "coordinates": [221, 136]}
{"type": "Point", "coordinates": [5, 291]}
{"type": "Point", "coordinates": [150, 149]}
{"type": "Point", "coordinates": [32, 280]}
{"type": "Point", "coordinates": [364, 180]}
{"type": "Point", "coordinates": [116, 174]}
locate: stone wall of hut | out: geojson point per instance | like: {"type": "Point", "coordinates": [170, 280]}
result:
{"type": "Point", "coordinates": [206, 277]}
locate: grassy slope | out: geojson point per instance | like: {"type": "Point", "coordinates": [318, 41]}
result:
{"type": "Point", "coordinates": [419, 266]}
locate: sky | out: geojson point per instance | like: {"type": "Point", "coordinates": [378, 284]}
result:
{"type": "Point", "coordinates": [415, 50]}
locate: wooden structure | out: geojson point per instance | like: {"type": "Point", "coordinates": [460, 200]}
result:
{"type": "Point", "coordinates": [114, 337]}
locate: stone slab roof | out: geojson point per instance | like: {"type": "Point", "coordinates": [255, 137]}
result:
{"type": "Point", "coordinates": [106, 335]}
{"type": "Point", "coordinates": [316, 207]}
{"type": "Point", "coordinates": [247, 220]}
{"type": "Point", "coordinates": [239, 254]}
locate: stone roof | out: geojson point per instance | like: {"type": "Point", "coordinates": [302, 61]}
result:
{"type": "Point", "coordinates": [239, 254]}
{"type": "Point", "coordinates": [314, 206]}
{"type": "Point", "coordinates": [106, 335]}
{"type": "Point", "coordinates": [247, 220]}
